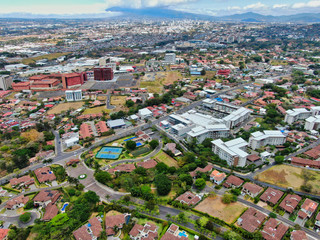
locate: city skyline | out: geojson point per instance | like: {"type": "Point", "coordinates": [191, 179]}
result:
{"type": "Point", "coordinates": [206, 7]}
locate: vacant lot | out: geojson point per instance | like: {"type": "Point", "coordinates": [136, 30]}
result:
{"type": "Point", "coordinates": [65, 107]}
{"type": "Point", "coordinates": [163, 157]}
{"type": "Point", "coordinates": [171, 77]}
{"type": "Point", "coordinates": [289, 176]}
{"type": "Point", "coordinates": [119, 102]}
{"type": "Point", "coordinates": [209, 75]}
{"type": "Point", "coordinates": [152, 86]}
{"type": "Point", "coordinates": [216, 208]}
{"type": "Point", "coordinates": [51, 56]}
{"type": "Point", "coordinates": [96, 110]}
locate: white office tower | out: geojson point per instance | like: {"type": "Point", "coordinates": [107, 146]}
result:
{"type": "Point", "coordinates": [170, 58]}
{"type": "Point", "coordinates": [73, 95]}
{"type": "Point", "coordinates": [5, 82]}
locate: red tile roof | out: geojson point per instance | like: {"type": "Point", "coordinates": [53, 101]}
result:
{"type": "Point", "coordinates": [271, 195]}
{"type": "Point", "coordinates": [47, 195]}
{"type": "Point", "coordinates": [251, 220]}
{"type": "Point", "coordinates": [233, 181]}
{"type": "Point", "coordinates": [272, 230]}
{"type": "Point", "coordinates": [188, 198]}
{"type": "Point", "coordinates": [112, 221]}
{"type": "Point", "coordinates": [51, 211]}
{"type": "Point", "coordinates": [4, 233]}
{"type": "Point", "coordinates": [44, 174]}
{"type": "Point", "coordinates": [25, 180]}
{"type": "Point", "coordinates": [146, 232]}
{"type": "Point", "coordinates": [252, 188]}
{"type": "Point", "coordinates": [87, 231]}
{"type": "Point", "coordinates": [122, 168]}
{"type": "Point", "coordinates": [290, 202]}
{"type": "Point", "coordinates": [16, 201]}
{"type": "Point", "coordinates": [298, 235]}
{"type": "Point", "coordinates": [218, 176]}
{"type": "Point", "coordinates": [207, 168]}
{"type": "Point", "coordinates": [147, 164]}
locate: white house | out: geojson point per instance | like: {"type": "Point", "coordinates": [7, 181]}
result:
{"type": "Point", "coordinates": [144, 113]}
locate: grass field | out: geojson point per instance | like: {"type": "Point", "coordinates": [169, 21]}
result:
{"type": "Point", "coordinates": [216, 208]}
{"type": "Point", "coordinates": [51, 56]}
{"type": "Point", "coordinates": [119, 102]}
{"type": "Point", "coordinates": [163, 157]}
{"type": "Point", "coordinates": [153, 87]}
{"type": "Point", "coordinates": [96, 110]}
{"type": "Point", "coordinates": [65, 107]}
{"type": "Point", "coordinates": [278, 63]}
{"type": "Point", "coordinates": [171, 77]}
{"type": "Point", "coordinates": [289, 176]}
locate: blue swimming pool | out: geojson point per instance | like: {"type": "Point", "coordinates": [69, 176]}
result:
{"type": "Point", "coordinates": [183, 234]}
{"type": "Point", "coordinates": [64, 207]}
{"type": "Point", "coordinates": [138, 144]}
{"type": "Point", "coordinates": [109, 152]}
{"type": "Point", "coordinates": [129, 139]}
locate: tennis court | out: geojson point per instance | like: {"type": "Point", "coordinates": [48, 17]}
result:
{"type": "Point", "coordinates": [109, 153]}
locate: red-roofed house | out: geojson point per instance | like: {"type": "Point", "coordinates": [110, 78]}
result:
{"type": "Point", "coordinates": [51, 211]}
{"type": "Point", "coordinates": [271, 196]}
{"type": "Point", "coordinates": [290, 202]}
{"type": "Point", "coordinates": [173, 234]}
{"type": "Point", "coordinates": [217, 177]}
{"type": "Point", "coordinates": [251, 189]}
{"type": "Point", "coordinates": [251, 220]}
{"type": "Point", "coordinates": [44, 197]}
{"type": "Point", "coordinates": [116, 220]}
{"type": "Point", "coordinates": [146, 232]}
{"type": "Point", "coordinates": [17, 202]}
{"type": "Point", "coordinates": [122, 168]}
{"type": "Point", "coordinates": [298, 235]}
{"type": "Point", "coordinates": [273, 230]}
{"type": "Point", "coordinates": [151, 163]}
{"type": "Point", "coordinates": [233, 182]}
{"type": "Point", "coordinates": [307, 209]}
{"type": "Point", "coordinates": [23, 181]}
{"type": "Point", "coordinates": [89, 231]}
{"type": "Point", "coordinates": [4, 234]}
{"type": "Point", "coordinates": [45, 175]}
{"type": "Point", "coordinates": [101, 127]}
{"type": "Point", "coordinates": [189, 198]}
{"type": "Point", "coordinates": [85, 131]}
{"type": "Point", "coordinates": [206, 169]}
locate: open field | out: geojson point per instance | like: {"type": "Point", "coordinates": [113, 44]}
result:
{"type": "Point", "coordinates": [51, 56]}
{"type": "Point", "coordinates": [289, 176]}
{"type": "Point", "coordinates": [96, 110]}
{"type": "Point", "coordinates": [163, 157]}
{"type": "Point", "coordinates": [152, 86]}
{"type": "Point", "coordinates": [216, 208]}
{"type": "Point", "coordinates": [119, 102]}
{"type": "Point", "coordinates": [65, 107]}
{"type": "Point", "coordinates": [278, 63]}
{"type": "Point", "coordinates": [171, 77]}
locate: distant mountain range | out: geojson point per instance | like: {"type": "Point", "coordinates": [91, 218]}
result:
{"type": "Point", "coordinates": [244, 17]}
{"type": "Point", "coordinates": [165, 13]}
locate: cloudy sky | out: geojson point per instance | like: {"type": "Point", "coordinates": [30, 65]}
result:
{"type": "Point", "coordinates": [211, 7]}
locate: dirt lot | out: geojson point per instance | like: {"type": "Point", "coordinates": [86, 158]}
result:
{"type": "Point", "coordinates": [154, 81]}
{"type": "Point", "coordinates": [163, 157]}
{"type": "Point", "coordinates": [171, 77]}
{"type": "Point", "coordinates": [289, 176]}
{"type": "Point", "coordinates": [216, 208]}
{"type": "Point", "coordinates": [96, 110]}
{"type": "Point", "coordinates": [119, 102]}
{"type": "Point", "coordinates": [65, 107]}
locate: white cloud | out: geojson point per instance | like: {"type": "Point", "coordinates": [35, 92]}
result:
{"type": "Point", "coordinates": [144, 3]}
{"type": "Point", "coordinates": [280, 6]}
{"type": "Point", "coordinates": [257, 5]}
{"type": "Point", "coordinates": [310, 4]}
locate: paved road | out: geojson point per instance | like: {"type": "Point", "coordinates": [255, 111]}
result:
{"type": "Point", "coordinates": [15, 219]}
{"type": "Point", "coordinates": [282, 219]}
{"type": "Point", "coordinates": [57, 143]}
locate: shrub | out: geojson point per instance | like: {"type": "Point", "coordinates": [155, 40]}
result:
{"type": "Point", "coordinates": [26, 217]}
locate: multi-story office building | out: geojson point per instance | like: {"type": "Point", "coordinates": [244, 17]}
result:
{"type": "Point", "coordinates": [260, 139]}
{"type": "Point", "coordinates": [296, 114]}
{"type": "Point", "coordinates": [73, 96]}
{"type": "Point", "coordinates": [232, 151]}
{"type": "Point", "coordinates": [5, 82]}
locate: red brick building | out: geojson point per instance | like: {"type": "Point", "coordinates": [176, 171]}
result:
{"type": "Point", "coordinates": [103, 74]}
{"type": "Point", "coordinates": [73, 79]}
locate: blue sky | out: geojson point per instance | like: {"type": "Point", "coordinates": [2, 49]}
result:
{"type": "Point", "coordinates": [211, 7]}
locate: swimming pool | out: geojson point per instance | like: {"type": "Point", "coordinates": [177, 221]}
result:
{"type": "Point", "coordinates": [64, 207]}
{"type": "Point", "coordinates": [109, 152]}
{"type": "Point", "coordinates": [183, 234]}
{"type": "Point", "coordinates": [138, 144]}
{"type": "Point", "coordinates": [129, 139]}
